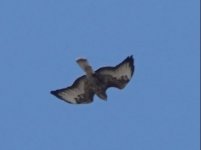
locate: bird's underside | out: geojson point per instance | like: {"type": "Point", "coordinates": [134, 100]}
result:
{"type": "Point", "coordinates": [96, 82]}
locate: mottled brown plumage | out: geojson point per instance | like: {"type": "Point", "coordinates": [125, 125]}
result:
{"type": "Point", "coordinates": [96, 82]}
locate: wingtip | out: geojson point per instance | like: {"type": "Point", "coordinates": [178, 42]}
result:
{"type": "Point", "coordinates": [53, 92]}
{"type": "Point", "coordinates": [130, 59]}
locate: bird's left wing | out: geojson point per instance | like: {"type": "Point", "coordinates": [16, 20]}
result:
{"type": "Point", "coordinates": [78, 93]}
{"type": "Point", "coordinates": [117, 76]}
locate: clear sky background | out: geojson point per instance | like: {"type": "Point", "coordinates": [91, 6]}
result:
{"type": "Point", "coordinates": [39, 42]}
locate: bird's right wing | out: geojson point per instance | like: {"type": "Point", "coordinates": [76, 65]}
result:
{"type": "Point", "coordinates": [117, 76]}
{"type": "Point", "coordinates": [77, 93]}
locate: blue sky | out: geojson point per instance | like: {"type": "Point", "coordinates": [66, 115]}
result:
{"type": "Point", "coordinates": [39, 42]}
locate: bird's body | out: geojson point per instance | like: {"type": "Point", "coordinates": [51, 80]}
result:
{"type": "Point", "coordinates": [96, 82]}
{"type": "Point", "coordinates": [97, 85]}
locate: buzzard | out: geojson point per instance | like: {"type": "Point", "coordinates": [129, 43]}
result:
{"type": "Point", "coordinates": [96, 82]}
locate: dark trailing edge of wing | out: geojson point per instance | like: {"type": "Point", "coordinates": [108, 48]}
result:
{"type": "Point", "coordinates": [129, 59]}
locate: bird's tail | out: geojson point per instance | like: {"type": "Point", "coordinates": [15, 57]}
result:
{"type": "Point", "coordinates": [84, 64]}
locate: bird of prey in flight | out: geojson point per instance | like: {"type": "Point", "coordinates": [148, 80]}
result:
{"type": "Point", "coordinates": [96, 82]}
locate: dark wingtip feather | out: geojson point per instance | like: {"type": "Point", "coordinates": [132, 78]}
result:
{"type": "Point", "coordinates": [130, 60]}
{"type": "Point", "coordinates": [53, 92]}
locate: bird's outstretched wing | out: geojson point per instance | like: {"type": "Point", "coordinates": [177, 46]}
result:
{"type": "Point", "coordinates": [78, 93]}
{"type": "Point", "coordinates": [117, 76]}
